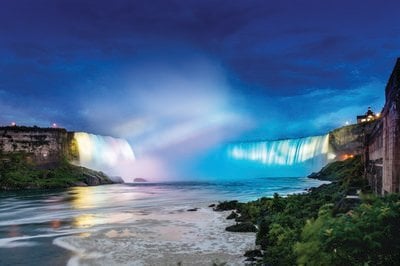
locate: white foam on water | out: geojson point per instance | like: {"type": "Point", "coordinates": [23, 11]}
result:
{"type": "Point", "coordinates": [165, 237]}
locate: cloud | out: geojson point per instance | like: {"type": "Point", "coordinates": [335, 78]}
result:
{"type": "Point", "coordinates": [162, 104]}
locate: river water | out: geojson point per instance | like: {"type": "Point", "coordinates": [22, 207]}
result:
{"type": "Point", "coordinates": [129, 224]}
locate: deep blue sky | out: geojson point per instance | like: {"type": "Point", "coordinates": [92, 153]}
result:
{"type": "Point", "coordinates": [192, 74]}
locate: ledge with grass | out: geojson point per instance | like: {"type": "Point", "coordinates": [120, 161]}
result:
{"type": "Point", "coordinates": [18, 173]}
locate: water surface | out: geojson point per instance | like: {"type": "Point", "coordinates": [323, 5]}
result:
{"type": "Point", "coordinates": [30, 221]}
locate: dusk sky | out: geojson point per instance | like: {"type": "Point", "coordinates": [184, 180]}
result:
{"type": "Point", "coordinates": [192, 74]}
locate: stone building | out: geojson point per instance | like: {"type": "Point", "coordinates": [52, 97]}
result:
{"type": "Point", "coordinates": [367, 117]}
{"type": "Point", "coordinates": [382, 149]}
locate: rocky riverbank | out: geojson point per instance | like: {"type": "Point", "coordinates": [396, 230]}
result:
{"type": "Point", "coordinates": [329, 225]}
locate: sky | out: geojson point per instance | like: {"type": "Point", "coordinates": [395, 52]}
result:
{"type": "Point", "coordinates": [179, 78]}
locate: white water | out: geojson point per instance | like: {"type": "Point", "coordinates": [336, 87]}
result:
{"type": "Point", "coordinates": [102, 152]}
{"type": "Point", "coordinates": [283, 152]}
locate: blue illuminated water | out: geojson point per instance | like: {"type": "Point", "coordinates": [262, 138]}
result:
{"type": "Point", "coordinates": [31, 220]}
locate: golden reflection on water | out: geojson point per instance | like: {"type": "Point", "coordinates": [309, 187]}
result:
{"type": "Point", "coordinates": [88, 201]}
{"type": "Point", "coordinates": [86, 221]}
{"type": "Point", "coordinates": [84, 198]}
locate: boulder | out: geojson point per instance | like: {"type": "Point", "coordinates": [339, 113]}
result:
{"type": "Point", "coordinates": [139, 180]}
{"type": "Point", "coordinates": [233, 215]}
{"type": "Point", "coordinates": [242, 227]}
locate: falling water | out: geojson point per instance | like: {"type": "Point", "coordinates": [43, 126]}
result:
{"type": "Point", "coordinates": [101, 152]}
{"type": "Point", "coordinates": [283, 152]}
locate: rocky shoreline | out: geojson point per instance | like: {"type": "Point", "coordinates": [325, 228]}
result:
{"type": "Point", "coordinates": [328, 225]}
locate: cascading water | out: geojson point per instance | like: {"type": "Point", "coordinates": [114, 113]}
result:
{"type": "Point", "coordinates": [281, 152]}
{"type": "Point", "coordinates": [280, 158]}
{"type": "Point", "coordinates": [101, 152]}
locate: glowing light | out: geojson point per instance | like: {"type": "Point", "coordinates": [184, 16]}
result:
{"type": "Point", "coordinates": [281, 152]}
{"type": "Point", "coordinates": [347, 123]}
{"type": "Point", "coordinates": [100, 152]}
{"type": "Point", "coordinates": [13, 124]}
{"type": "Point", "coordinates": [54, 125]}
{"type": "Point", "coordinates": [347, 156]}
{"type": "Point", "coordinates": [378, 115]}
{"type": "Point", "coordinates": [55, 224]}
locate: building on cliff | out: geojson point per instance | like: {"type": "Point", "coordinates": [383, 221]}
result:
{"type": "Point", "coordinates": [382, 143]}
{"type": "Point", "coordinates": [367, 117]}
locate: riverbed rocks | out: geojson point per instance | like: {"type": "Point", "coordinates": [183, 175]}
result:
{"type": "Point", "coordinates": [233, 215]}
{"type": "Point", "coordinates": [242, 227]}
{"type": "Point", "coordinates": [227, 205]}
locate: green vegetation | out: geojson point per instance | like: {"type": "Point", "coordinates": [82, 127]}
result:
{"type": "Point", "coordinates": [323, 227]}
{"type": "Point", "coordinates": [349, 172]}
{"type": "Point", "coordinates": [17, 173]}
{"type": "Point", "coordinates": [367, 235]}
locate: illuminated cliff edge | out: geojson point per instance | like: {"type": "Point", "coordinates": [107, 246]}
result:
{"type": "Point", "coordinates": [101, 152]}
{"type": "Point", "coordinates": [284, 152]}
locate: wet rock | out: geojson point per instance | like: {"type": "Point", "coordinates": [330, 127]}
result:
{"type": "Point", "coordinates": [244, 217]}
{"type": "Point", "coordinates": [253, 253]}
{"type": "Point", "coordinates": [139, 180]}
{"type": "Point", "coordinates": [117, 179]}
{"type": "Point", "coordinates": [233, 215]}
{"type": "Point", "coordinates": [91, 180]}
{"type": "Point", "coordinates": [192, 210]}
{"type": "Point", "coordinates": [80, 184]}
{"type": "Point", "coordinates": [211, 205]}
{"type": "Point", "coordinates": [242, 227]}
{"type": "Point", "coordinates": [227, 205]}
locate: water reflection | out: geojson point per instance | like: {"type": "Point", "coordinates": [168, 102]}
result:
{"type": "Point", "coordinates": [85, 221]}
{"type": "Point", "coordinates": [85, 198]}
{"type": "Point", "coordinates": [37, 217]}
{"type": "Point", "coordinates": [99, 206]}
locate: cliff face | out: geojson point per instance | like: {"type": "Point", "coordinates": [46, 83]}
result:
{"type": "Point", "coordinates": [42, 146]}
{"type": "Point", "coordinates": [32, 157]}
{"type": "Point", "coordinates": [350, 139]}
{"type": "Point", "coordinates": [378, 142]}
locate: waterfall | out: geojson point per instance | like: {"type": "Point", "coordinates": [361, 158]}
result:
{"type": "Point", "coordinates": [283, 152]}
{"type": "Point", "coordinates": [101, 152]}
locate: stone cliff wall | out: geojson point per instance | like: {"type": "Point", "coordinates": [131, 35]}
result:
{"type": "Point", "coordinates": [43, 146]}
{"type": "Point", "coordinates": [382, 155]}
{"type": "Point", "coordinates": [349, 140]}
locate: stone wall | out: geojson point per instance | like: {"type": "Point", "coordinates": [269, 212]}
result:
{"type": "Point", "coordinates": [382, 154]}
{"type": "Point", "coordinates": [373, 158]}
{"type": "Point", "coordinates": [43, 146]}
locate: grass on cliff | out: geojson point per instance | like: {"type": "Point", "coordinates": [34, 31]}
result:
{"type": "Point", "coordinates": [349, 171]}
{"type": "Point", "coordinates": [323, 227]}
{"type": "Point", "coordinates": [17, 173]}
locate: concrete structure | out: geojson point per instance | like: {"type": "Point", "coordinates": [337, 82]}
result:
{"type": "Point", "coordinates": [382, 144]}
